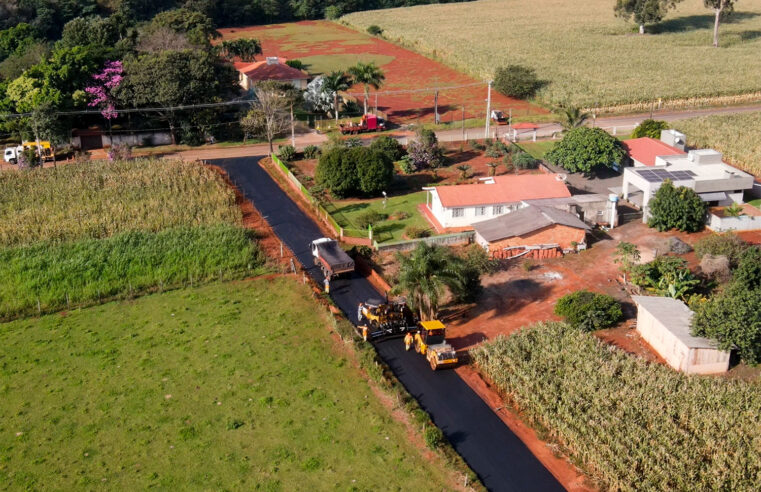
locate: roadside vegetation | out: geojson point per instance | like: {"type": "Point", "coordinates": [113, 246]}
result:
{"type": "Point", "coordinates": [735, 135]}
{"type": "Point", "coordinates": [135, 395]}
{"type": "Point", "coordinates": [611, 64]}
{"type": "Point", "coordinates": [98, 199]}
{"type": "Point", "coordinates": [628, 423]}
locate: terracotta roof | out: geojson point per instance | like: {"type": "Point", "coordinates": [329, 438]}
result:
{"type": "Point", "coordinates": [505, 189]}
{"type": "Point", "coordinates": [262, 70]}
{"type": "Point", "coordinates": [646, 149]}
{"type": "Point", "coordinates": [524, 221]}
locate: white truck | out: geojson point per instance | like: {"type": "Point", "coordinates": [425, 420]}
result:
{"type": "Point", "coordinates": [11, 154]}
{"type": "Point", "coordinates": [329, 256]}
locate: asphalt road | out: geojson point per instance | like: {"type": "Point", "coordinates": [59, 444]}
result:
{"type": "Point", "coordinates": [501, 460]}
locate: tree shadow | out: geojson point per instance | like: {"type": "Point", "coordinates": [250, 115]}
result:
{"type": "Point", "coordinates": [693, 22]}
{"type": "Point", "coordinates": [352, 207]}
{"type": "Point", "coordinates": [509, 297]}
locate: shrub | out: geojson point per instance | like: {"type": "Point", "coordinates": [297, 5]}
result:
{"type": "Point", "coordinates": [492, 152]}
{"type": "Point", "coordinates": [666, 276]}
{"type": "Point", "coordinates": [311, 152]}
{"type": "Point", "coordinates": [297, 64]}
{"type": "Point", "coordinates": [354, 171]}
{"type": "Point", "coordinates": [676, 208]}
{"type": "Point", "coordinates": [747, 275]}
{"type": "Point", "coordinates": [333, 12]}
{"type": "Point", "coordinates": [584, 149]}
{"type": "Point", "coordinates": [433, 437]}
{"type": "Point", "coordinates": [374, 30]}
{"type": "Point", "coordinates": [476, 262]}
{"type": "Point", "coordinates": [370, 217]}
{"type": "Point", "coordinates": [476, 145]}
{"type": "Point", "coordinates": [727, 244]}
{"type": "Point", "coordinates": [650, 128]}
{"type": "Point", "coordinates": [733, 319]}
{"type": "Point", "coordinates": [389, 146]}
{"type": "Point", "coordinates": [516, 81]}
{"type": "Point", "coordinates": [286, 153]}
{"type": "Point", "coordinates": [424, 151]}
{"type": "Point", "coordinates": [524, 160]}
{"type": "Point", "coordinates": [589, 311]}
{"type": "Point", "coordinates": [353, 142]}
{"type": "Point", "coordinates": [406, 165]}
{"type": "Point", "coordinates": [416, 232]}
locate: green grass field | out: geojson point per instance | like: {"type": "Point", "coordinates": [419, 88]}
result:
{"type": "Point", "coordinates": [231, 386]}
{"type": "Point", "coordinates": [346, 212]}
{"type": "Point", "coordinates": [735, 135]}
{"type": "Point", "coordinates": [588, 56]}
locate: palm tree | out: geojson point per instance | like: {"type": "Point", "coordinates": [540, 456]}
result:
{"type": "Point", "coordinates": [424, 274]}
{"type": "Point", "coordinates": [463, 168]}
{"type": "Point", "coordinates": [492, 167]}
{"type": "Point", "coordinates": [572, 117]}
{"type": "Point", "coordinates": [334, 82]}
{"type": "Point", "coordinates": [367, 74]}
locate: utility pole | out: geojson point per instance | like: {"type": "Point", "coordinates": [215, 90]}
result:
{"type": "Point", "coordinates": [488, 112]}
{"type": "Point", "coordinates": [376, 104]}
{"type": "Point", "coordinates": [436, 107]}
{"type": "Point", "coordinates": [463, 122]}
{"type": "Point", "coordinates": [293, 131]}
{"type": "Point", "coordinates": [335, 105]}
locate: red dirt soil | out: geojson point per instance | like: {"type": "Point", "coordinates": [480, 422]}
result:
{"type": "Point", "coordinates": [407, 70]}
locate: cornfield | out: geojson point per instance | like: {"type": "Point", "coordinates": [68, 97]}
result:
{"type": "Point", "coordinates": [98, 199]}
{"type": "Point", "coordinates": [589, 57]}
{"type": "Point", "coordinates": [737, 136]}
{"type": "Point", "coordinates": [633, 425]}
{"type": "Point", "coordinates": [48, 276]}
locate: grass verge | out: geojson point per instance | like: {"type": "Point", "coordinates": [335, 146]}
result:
{"type": "Point", "coordinates": [629, 423]}
{"type": "Point", "coordinates": [226, 386]}
{"type": "Point", "coordinates": [401, 212]}
{"type": "Point", "coordinates": [48, 276]}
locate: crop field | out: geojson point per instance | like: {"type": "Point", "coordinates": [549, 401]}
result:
{"type": "Point", "coordinates": [737, 136]}
{"type": "Point", "coordinates": [633, 425]}
{"type": "Point", "coordinates": [230, 386]}
{"type": "Point", "coordinates": [327, 46]}
{"type": "Point", "coordinates": [98, 199]}
{"type": "Point", "coordinates": [587, 55]}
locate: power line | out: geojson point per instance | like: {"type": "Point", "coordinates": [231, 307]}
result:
{"type": "Point", "coordinates": [411, 91]}
{"type": "Point", "coordinates": [138, 110]}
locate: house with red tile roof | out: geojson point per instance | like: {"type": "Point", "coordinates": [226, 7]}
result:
{"type": "Point", "coordinates": [272, 68]}
{"type": "Point", "coordinates": [460, 206]}
{"type": "Point", "coordinates": [644, 150]}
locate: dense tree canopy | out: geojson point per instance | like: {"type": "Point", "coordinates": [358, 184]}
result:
{"type": "Point", "coordinates": [644, 11]}
{"type": "Point", "coordinates": [355, 171]}
{"type": "Point", "coordinates": [676, 208]}
{"type": "Point", "coordinates": [585, 149]}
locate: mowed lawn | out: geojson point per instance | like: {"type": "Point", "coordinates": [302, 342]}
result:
{"type": "Point", "coordinates": [347, 212]}
{"type": "Point", "coordinates": [231, 386]}
{"type": "Point", "coordinates": [588, 56]}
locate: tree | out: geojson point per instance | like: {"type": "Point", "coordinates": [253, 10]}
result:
{"type": "Point", "coordinates": [354, 171]}
{"type": "Point", "coordinates": [644, 11]}
{"type": "Point", "coordinates": [463, 168]}
{"type": "Point", "coordinates": [337, 173]}
{"type": "Point", "coordinates": [516, 81]}
{"type": "Point", "coordinates": [16, 39]}
{"type": "Point", "coordinates": [244, 49]}
{"type": "Point", "coordinates": [424, 274]}
{"type": "Point", "coordinates": [747, 275]}
{"type": "Point", "coordinates": [676, 208]}
{"type": "Point", "coordinates": [369, 75]}
{"type": "Point", "coordinates": [424, 151]}
{"type": "Point", "coordinates": [589, 311]}
{"type": "Point", "coordinates": [106, 82]}
{"type": "Point", "coordinates": [374, 30]}
{"type": "Point", "coordinates": [585, 149]}
{"type": "Point", "coordinates": [572, 117]}
{"type": "Point", "coordinates": [493, 165]}
{"type": "Point", "coordinates": [733, 319]}
{"type": "Point", "coordinates": [390, 146]}
{"type": "Point", "coordinates": [650, 128]}
{"type": "Point", "coordinates": [375, 170]}
{"type": "Point", "coordinates": [93, 30]}
{"type": "Point", "coordinates": [627, 255]}
{"type": "Point", "coordinates": [198, 27]}
{"type": "Point", "coordinates": [269, 116]}
{"type": "Point", "coordinates": [332, 84]}
{"type": "Point", "coordinates": [721, 9]}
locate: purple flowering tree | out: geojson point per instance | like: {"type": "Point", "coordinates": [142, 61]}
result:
{"type": "Point", "coordinates": [101, 93]}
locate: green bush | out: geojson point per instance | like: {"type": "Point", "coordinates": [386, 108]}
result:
{"type": "Point", "coordinates": [354, 171]}
{"type": "Point", "coordinates": [733, 319]}
{"type": "Point", "coordinates": [524, 160]}
{"type": "Point", "coordinates": [476, 145]}
{"type": "Point", "coordinates": [333, 12]}
{"type": "Point", "coordinates": [728, 244]}
{"type": "Point", "coordinates": [87, 270]}
{"type": "Point", "coordinates": [589, 311]}
{"type": "Point", "coordinates": [297, 64]}
{"type": "Point", "coordinates": [676, 208]}
{"type": "Point", "coordinates": [286, 153]}
{"type": "Point", "coordinates": [516, 81]}
{"type": "Point", "coordinates": [650, 128]}
{"type": "Point", "coordinates": [374, 30]}
{"type": "Point", "coordinates": [747, 275]}
{"type": "Point", "coordinates": [406, 165]}
{"type": "Point", "coordinates": [585, 149]}
{"type": "Point", "coordinates": [433, 437]}
{"type": "Point", "coordinates": [389, 146]}
{"type": "Point", "coordinates": [311, 152]}
{"type": "Point", "coordinates": [416, 232]}
{"type": "Point", "coordinates": [369, 218]}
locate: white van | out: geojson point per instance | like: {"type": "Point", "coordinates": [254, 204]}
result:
{"type": "Point", "coordinates": [11, 154]}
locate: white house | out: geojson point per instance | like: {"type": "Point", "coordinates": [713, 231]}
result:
{"type": "Point", "coordinates": [272, 68]}
{"type": "Point", "coordinates": [461, 206]}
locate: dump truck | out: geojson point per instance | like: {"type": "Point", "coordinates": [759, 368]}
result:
{"type": "Point", "coordinates": [11, 154]}
{"type": "Point", "coordinates": [377, 319]}
{"type": "Point", "coordinates": [368, 123]}
{"type": "Point", "coordinates": [329, 256]}
{"type": "Point", "coordinates": [430, 340]}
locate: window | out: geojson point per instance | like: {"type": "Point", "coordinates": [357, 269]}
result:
{"type": "Point", "coordinates": [497, 210]}
{"type": "Point", "coordinates": [458, 212]}
{"type": "Point", "coordinates": [480, 211]}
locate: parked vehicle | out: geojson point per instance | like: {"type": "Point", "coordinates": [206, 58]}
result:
{"type": "Point", "coordinates": [12, 154]}
{"type": "Point", "coordinates": [377, 319]}
{"type": "Point", "coordinates": [499, 117]}
{"type": "Point", "coordinates": [368, 123]}
{"type": "Point", "coordinates": [331, 258]}
{"type": "Point", "coordinates": [430, 340]}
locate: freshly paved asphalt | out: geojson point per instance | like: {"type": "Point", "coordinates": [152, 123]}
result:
{"type": "Point", "coordinates": [500, 459]}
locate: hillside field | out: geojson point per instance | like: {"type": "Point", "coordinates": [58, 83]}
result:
{"type": "Point", "coordinates": [588, 56]}
{"type": "Point", "coordinates": [230, 386]}
{"type": "Point", "coordinates": [737, 136]}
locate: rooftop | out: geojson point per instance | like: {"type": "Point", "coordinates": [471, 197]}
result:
{"type": "Point", "coordinates": [503, 189]}
{"type": "Point", "coordinates": [675, 316]}
{"type": "Point", "coordinates": [271, 69]}
{"type": "Point", "coordinates": [646, 149]}
{"type": "Point", "coordinates": [697, 165]}
{"type": "Point", "coordinates": [524, 221]}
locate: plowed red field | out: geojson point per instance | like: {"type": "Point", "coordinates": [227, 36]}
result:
{"type": "Point", "coordinates": [326, 46]}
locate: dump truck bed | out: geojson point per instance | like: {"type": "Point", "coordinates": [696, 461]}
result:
{"type": "Point", "coordinates": [334, 258]}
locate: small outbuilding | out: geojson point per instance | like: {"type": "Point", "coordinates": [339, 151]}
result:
{"type": "Point", "coordinates": [665, 323]}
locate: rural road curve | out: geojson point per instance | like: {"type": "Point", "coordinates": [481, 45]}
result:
{"type": "Point", "coordinates": [501, 460]}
